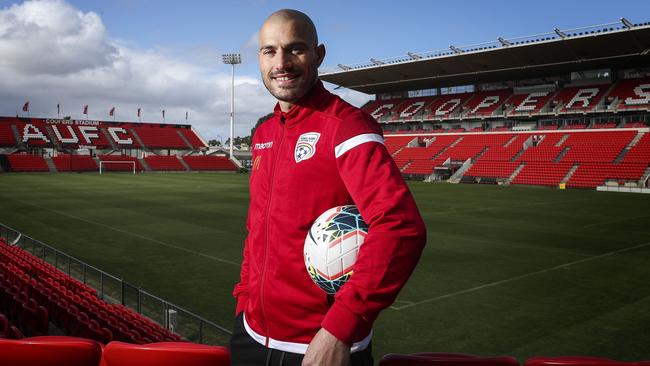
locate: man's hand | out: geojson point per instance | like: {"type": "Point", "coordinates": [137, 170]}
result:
{"type": "Point", "coordinates": [325, 349]}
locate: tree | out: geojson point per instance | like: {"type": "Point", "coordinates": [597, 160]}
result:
{"type": "Point", "coordinates": [259, 122]}
{"type": "Point", "coordinates": [213, 143]}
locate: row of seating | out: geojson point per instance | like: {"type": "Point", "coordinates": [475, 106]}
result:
{"type": "Point", "coordinates": [9, 330]}
{"type": "Point", "coordinates": [540, 152]}
{"type": "Point", "coordinates": [544, 127]}
{"type": "Point", "coordinates": [74, 351]}
{"type": "Point", "coordinates": [210, 163]}
{"type": "Point", "coordinates": [27, 163]}
{"type": "Point", "coordinates": [593, 175]}
{"type": "Point", "coordinates": [71, 305]}
{"type": "Point", "coordinates": [588, 175]}
{"type": "Point", "coordinates": [45, 351]}
{"type": "Point", "coordinates": [164, 163]}
{"type": "Point", "coordinates": [460, 359]}
{"type": "Point", "coordinates": [626, 94]}
{"type": "Point", "coordinates": [21, 309]}
{"type": "Point", "coordinates": [85, 163]}
{"type": "Point", "coordinates": [74, 163]}
{"type": "Point", "coordinates": [38, 132]}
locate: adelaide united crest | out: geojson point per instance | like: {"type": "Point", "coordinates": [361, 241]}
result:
{"type": "Point", "coordinates": [306, 146]}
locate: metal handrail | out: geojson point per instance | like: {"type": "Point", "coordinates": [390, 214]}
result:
{"type": "Point", "coordinates": [22, 240]}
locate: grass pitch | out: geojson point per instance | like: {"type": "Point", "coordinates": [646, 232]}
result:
{"type": "Point", "coordinates": [507, 270]}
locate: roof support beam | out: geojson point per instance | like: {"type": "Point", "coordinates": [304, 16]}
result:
{"type": "Point", "coordinates": [504, 42]}
{"type": "Point", "coordinates": [626, 23]}
{"type": "Point", "coordinates": [456, 50]}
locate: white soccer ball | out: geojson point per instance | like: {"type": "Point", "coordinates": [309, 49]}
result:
{"type": "Point", "coordinates": [332, 245]}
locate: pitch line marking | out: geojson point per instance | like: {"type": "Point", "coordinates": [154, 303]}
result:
{"type": "Point", "coordinates": [452, 209]}
{"type": "Point", "coordinates": [133, 234]}
{"type": "Point", "coordinates": [411, 304]}
{"type": "Point", "coordinates": [615, 221]}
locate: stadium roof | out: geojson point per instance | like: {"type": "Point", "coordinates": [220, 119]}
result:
{"type": "Point", "coordinates": [613, 45]}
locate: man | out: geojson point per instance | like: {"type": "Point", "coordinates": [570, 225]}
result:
{"type": "Point", "coordinates": [316, 152]}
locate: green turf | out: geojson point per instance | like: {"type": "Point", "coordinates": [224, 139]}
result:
{"type": "Point", "coordinates": [507, 270]}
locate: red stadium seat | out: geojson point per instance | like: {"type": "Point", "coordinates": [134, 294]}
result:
{"type": "Point", "coordinates": [4, 326]}
{"type": "Point", "coordinates": [50, 350]}
{"type": "Point", "coordinates": [34, 318]}
{"type": "Point", "coordinates": [99, 333]}
{"type": "Point", "coordinates": [14, 333]}
{"type": "Point", "coordinates": [445, 359]}
{"type": "Point", "coordinates": [580, 361]}
{"type": "Point", "coordinates": [165, 354]}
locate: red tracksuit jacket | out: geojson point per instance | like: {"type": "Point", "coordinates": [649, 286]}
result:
{"type": "Point", "coordinates": [322, 153]}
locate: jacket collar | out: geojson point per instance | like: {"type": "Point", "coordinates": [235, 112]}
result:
{"type": "Point", "coordinates": [312, 101]}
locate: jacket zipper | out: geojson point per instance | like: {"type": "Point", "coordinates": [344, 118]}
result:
{"type": "Point", "coordinates": [267, 219]}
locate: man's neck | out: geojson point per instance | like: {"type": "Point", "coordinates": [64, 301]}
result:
{"type": "Point", "coordinates": [285, 106]}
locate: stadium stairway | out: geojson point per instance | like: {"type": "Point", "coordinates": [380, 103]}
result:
{"type": "Point", "coordinates": [187, 167]}
{"type": "Point", "coordinates": [627, 148]}
{"type": "Point", "coordinates": [645, 175]}
{"type": "Point", "coordinates": [458, 175]}
{"type": "Point", "coordinates": [109, 138]}
{"type": "Point", "coordinates": [570, 173]}
{"type": "Point", "coordinates": [189, 145]}
{"type": "Point", "coordinates": [138, 139]}
{"type": "Point", "coordinates": [145, 165]}
{"type": "Point", "coordinates": [562, 140]}
{"type": "Point", "coordinates": [52, 136]}
{"type": "Point", "coordinates": [561, 155]}
{"type": "Point", "coordinates": [50, 164]}
{"type": "Point", "coordinates": [514, 174]}
{"type": "Point", "coordinates": [14, 129]}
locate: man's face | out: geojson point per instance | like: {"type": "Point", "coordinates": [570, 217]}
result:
{"type": "Point", "coordinates": [289, 59]}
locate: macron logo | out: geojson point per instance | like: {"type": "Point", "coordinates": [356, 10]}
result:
{"type": "Point", "coordinates": [264, 145]}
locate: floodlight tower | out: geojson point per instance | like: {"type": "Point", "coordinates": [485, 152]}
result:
{"type": "Point", "coordinates": [232, 59]}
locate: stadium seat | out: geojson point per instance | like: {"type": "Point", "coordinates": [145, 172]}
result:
{"type": "Point", "coordinates": [50, 350]}
{"type": "Point", "coordinates": [14, 333]}
{"type": "Point", "coordinates": [445, 359]}
{"type": "Point", "coordinates": [580, 361]}
{"type": "Point", "coordinates": [165, 354]}
{"type": "Point", "coordinates": [202, 162]}
{"type": "Point", "coordinates": [34, 318]}
{"type": "Point", "coordinates": [4, 326]}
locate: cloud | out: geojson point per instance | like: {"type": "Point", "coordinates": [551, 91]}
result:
{"type": "Point", "coordinates": [53, 53]}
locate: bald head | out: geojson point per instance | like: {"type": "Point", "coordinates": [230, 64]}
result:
{"type": "Point", "coordinates": [300, 20]}
{"type": "Point", "coordinates": [289, 56]}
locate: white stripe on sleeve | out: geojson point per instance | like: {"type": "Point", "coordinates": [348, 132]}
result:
{"type": "Point", "coordinates": [355, 141]}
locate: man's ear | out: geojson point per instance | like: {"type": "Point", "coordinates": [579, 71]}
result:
{"type": "Point", "coordinates": [320, 52]}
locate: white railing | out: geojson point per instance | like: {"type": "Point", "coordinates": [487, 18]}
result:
{"type": "Point", "coordinates": [114, 290]}
{"type": "Point", "coordinates": [480, 47]}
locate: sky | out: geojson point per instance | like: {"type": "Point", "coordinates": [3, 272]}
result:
{"type": "Point", "coordinates": [157, 55]}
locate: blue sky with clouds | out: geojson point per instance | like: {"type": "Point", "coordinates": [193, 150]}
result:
{"type": "Point", "coordinates": [166, 54]}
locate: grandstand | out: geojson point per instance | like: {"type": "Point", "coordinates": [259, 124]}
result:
{"type": "Point", "coordinates": [35, 293]}
{"type": "Point", "coordinates": [518, 111]}
{"type": "Point", "coordinates": [60, 145]}
{"type": "Point", "coordinates": [565, 122]}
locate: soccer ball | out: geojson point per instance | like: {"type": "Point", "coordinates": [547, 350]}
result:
{"type": "Point", "coordinates": [331, 246]}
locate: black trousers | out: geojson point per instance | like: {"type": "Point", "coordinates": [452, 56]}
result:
{"type": "Point", "coordinates": [245, 351]}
